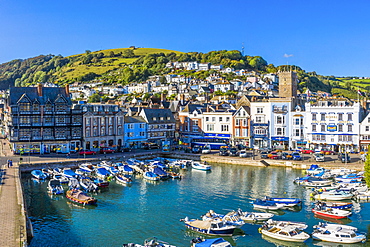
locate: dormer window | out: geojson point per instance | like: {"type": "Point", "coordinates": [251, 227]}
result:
{"type": "Point", "coordinates": [154, 119]}
{"type": "Point", "coordinates": [36, 107]}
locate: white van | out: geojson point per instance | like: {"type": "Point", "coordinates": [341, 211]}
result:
{"type": "Point", "coordinates": [206, 149]}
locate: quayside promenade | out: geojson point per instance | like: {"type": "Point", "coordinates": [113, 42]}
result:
{"type": "Point", "coordinates": [12, 213]}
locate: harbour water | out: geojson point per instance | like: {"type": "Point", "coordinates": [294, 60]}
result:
{"type": "Point", "coordinates": [146, 209]}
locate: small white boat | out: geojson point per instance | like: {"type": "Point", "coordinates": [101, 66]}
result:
{"type": "Point", "coordinates": [210, 227]}
{"type": "Point", "coordinates": [231, 218]}
{"type": "Point", "coordinates": [54, 187]}
{"type": "Point", "coordinates": [332, 213]}
{"type": "Point", "coordinates": [152, 242]}
{"type": "Point", "coordinates": [88, 185]}
{"type": "Point", "coordinates": [334, 226]}
{"type": "Point", "coordinates": [198, 166]}
{"type": "Point", "coordinates": [62, 179]}
{"type": "Point", "coordinates": [341, 171]}
{"type": "Point", "coordinates": [338, 235]}
{"type": "Point", "coordinates": [281, 224]}
{"type": "Point", "coordinates": [262, 204]}
{"type": "Point", "coordinates": [123, 179]}
{"type": "Point", "coordinates": [333, 195]}
{"type": "Point", "coordinates": [151, 176]}
{"type": "Point", "coordinates": [254, 216]}
{"type": "Point", "coordinates": [288, 233]}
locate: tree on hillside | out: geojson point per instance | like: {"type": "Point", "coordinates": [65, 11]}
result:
{"type": "Point", "coordinates": [94, 98]}
{"type": "Point", "coordinates": [128, 53]}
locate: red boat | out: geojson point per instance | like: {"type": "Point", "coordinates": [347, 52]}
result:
{"type": "Point", "coordinates": [80, 197]}
{"type": "Point", "coordinates": [332, 213]}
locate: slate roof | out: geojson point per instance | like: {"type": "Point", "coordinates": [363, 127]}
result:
{"type": "Point", "coordinates": [157, 114]}
{"type": "Point", "coordinates": [129, 119]}
{"type": "Point", "coordinates": [49, 93]}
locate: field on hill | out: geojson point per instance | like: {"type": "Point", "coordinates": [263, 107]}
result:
{"type": "Point", "coordinates": [105, 64]}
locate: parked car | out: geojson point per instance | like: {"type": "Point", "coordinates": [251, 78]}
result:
{"type": "Point", "coordinates": [196, 149]}
{"type": "Point", "coordinates": [224, 151]}
{"type": "Point", "coordinates": [286, 156]}
{"type": "Point", "coordinates": [296, 156]}
{"type": "Point", "coordinates": [86, 152]}
{"type": "Point", "coordinates": [150, 145]}
{"type": "Point", "coordinates": [307, 151]}
{"type": "Point", "coordinates": [206, 149]}
{"type": "Point", "coordinates": [264, 154]}
{"type": "Point", "coordinates": [344, 157]}
{"type": "Point", "coordinates": [107, 150]}
{"type": "Point", "coordinates": [243, 153]}
{"type": "Point", "coordinates": [274, 155]}
{"type": "Point", "coordinates": [319, 157]}
{"type": "Point", "coordinates": [126, 149]}
{"type": "Point", "coordinates": [233, 151]}
{"type": "Point", "coordinates": [327, 152]}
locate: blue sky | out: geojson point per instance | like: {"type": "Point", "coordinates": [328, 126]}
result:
{"type": "Point", "coordinates": [329, 37]}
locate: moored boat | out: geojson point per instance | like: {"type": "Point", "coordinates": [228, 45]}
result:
{"type": "Point", "coordinates": [88, 185]}
{"type": "Point", "coordinates": [282, 223]}
{"type": "Point", "coordinates": [343, 235]}
{"type": "Point", "coordinates": [333, 195]}
{"type": "Point", "coordinates": [254, 216]}
{"type": "Point", "coordinates": [55, 187]}
{"type": "Point", "coordinates": [151, 176]}
{"type": "Point", "coordinates": [286, 202]}
{"type": "Point", "coordinates": [101, 183]}
{"type": "Point", "coordinates": [258, 203]}
{"type": "Point", "coordinates": [211, 227]}
{"type": "Point", "coordinates": [102, 173]}
{"type": "Point", "coordinates": [69, 173]}
{"type": "Point", "coordinates": [331, 213]}
{"type": "Point", "coordinates": [214, 242]}
{"type": "Point", "coordinates": [80, 197]}
{"type": "Point", "coordinates": [198, 166]}
{"type": "Point", "coordinates": [123, 179]}
{"type": "Point", "coordinates": [38, 174]}
{"type": "Point", "coordinates": [334, 226]}
{"type": "Point", "coordinates": [288, 233]}
{"type": "Point", "coordinates": [151, 242]}
{"type": "Point", "coordinates": [337, 205]}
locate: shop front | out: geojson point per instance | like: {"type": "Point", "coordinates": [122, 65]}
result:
{"type": "Point", "coordinates": [26, 148]}
{"type": "Point", "coordinates": [280, 143]}
{"type": "Point", "coordinates": [55, 147]}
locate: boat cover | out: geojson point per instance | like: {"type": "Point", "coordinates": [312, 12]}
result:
{"type": "Point", "coordinates": [313, 167]}
{"type": "Point", "coordinates": [202, 224]}
{"type": "Point", "coordinates": [103, 171]}
{"type": "Point", "coordinates": [209, 242]}
{"type": "Point", "coordinates": [159, 171]}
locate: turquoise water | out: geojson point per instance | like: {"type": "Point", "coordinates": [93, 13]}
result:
{"type": "Point", "coordinates": [146, 209]}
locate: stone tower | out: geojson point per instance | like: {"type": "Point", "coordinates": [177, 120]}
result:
{"type": "Point", "coordinates": [287, 84]}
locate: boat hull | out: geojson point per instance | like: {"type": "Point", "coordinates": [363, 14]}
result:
{"type": "Point", "coordinates": [282, 237]}
{"type": "Point", "coordinates": [330, 215]}
{"type": "Point", "coordinates": [226, 232]}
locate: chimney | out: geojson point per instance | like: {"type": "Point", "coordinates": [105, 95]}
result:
{"type": "Point", "coordinates": [39, 89]}
{"type": "Point", "coordinates": [67, 89]}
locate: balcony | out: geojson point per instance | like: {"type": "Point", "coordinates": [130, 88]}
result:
{"type": "Point", "coordinates": [61, 112]}
{"type": "Point", "coordinates": [60, 138]}
{"type": "Point", "coordinates": [61, 124]}
{"type": "Point", "coordinates": [48, 112]}
{"type": "Point", "coordinates": [48, 137]}
{"type": "Point", "coordinates": [76, 137]}
{"type": "Point", "coordinates": [24, 112]}
{"type": "Point", "coordinates": [36, 124]}
{"type": "Point", "coordinates": [25, 124]}
{"type": "Point", "coordinates": [76, 124]}
{"type": "Point", "coordinates": [25, 138]}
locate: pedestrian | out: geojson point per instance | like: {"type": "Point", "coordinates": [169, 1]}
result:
{"type": "Point", "coordinates": [10, 163]}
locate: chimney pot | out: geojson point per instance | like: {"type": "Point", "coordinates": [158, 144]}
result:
{"type": "Point", "coordinates": [39, 89]}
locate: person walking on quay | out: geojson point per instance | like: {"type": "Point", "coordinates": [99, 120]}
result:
{"type": "Point", "coordinates": [8, 162]}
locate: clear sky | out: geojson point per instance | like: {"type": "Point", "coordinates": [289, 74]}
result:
{"type": "Point", "coordinates": [329, 37]}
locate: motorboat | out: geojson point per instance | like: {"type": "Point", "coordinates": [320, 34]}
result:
{"type": "Point", "coordinates": [231, 218]}
{"type": "Point", "coordinates": [331, 212]}
{"type": "Point", "coordinates": [57, 170]}
{"type": "Point", "coordinates": [55, 187]}
{"type": "Point", "coordinates": [352, 177]}
{"type": "Point", "coordinates": [214, 242]}
{"type": "Point", "coordinates": [210, 227]}
{"type": "Point", "coordinates": [69, 173]}
{"type": "Point", "coordinates": [332, 195]}
{"type": "Point", "coordinates": [337, 205]}
{"type": "Point", "coordinates": [160, 172]}
{"type": "Point", "coordinates": [343, 235]}
{"type": "Point", "coordinates": [282, 223]}
{"type": "Point", "coordinates": [288, 233]}
{"type": "Point", "coordinates": [151, 242]}
{"type": "Point", "coordinates": [198, 166]}
{"type": "Point", "coordinates": [334, 226]}
{"type": "Point", "coordinates": [126, 169]}
{"type": "Point", "coordinates": [341, 171]}
{"type": "Point", "coordinates": [88, 185]}
{"type": "Point", "coordinates": [73, 183]}
{"type": "Point", "coordinates": [122, 179]}
{"type": "Point", "coordinates": [101, 183]}
{"type": "Point", "coordinates": [63, 179]}
{"type": "Point", "coordinates": [258, 203]}
{"type": "Point", "coordinates": [46, 172]}
{"type": "Point", "coordinates": [254, 216]}
{"type": "Point", "coordinates": [286, 202]}
{"type": "Point", "coordinates": [80, 197]}
{"type": "Point", "coordinates": [174, 175]}
{"type": "Point", "coordinates": [102, 173]}
{"type": "Point", "coordinates": [151, 176]}
{"type": "Point", "coordinates": [309, 181]}
{"type": "Point", "coordinates": [38, 174]}
{"type": "Point", "coordinates": [315, 169]}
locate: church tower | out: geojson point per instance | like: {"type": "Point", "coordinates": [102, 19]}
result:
{"type": "Point", "coordinates": [288, 83]}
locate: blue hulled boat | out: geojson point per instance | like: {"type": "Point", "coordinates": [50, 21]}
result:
{"type": "Point", "coordinates": [210, 227]}
{"type": "Point", "coordinates": [263, 204]}
{"type": "Point", "coordinates": [286, 202]}
{"type": "Point", "coordinates": [69, 173]}
{"type": "Point", "coordinates": [151, 176]}
{"type": "Point", "coordinates": [215, 242]}
{"type": "Point", "coordinates": [38, 174]}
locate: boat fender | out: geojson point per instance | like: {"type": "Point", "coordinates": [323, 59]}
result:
{"type": "Point", "coordinates": [260, 230]}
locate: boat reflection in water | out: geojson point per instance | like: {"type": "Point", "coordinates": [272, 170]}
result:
{"type": "Point", "coordinates": [329, 244]}
{"type": "Point", "coordinates": [276, 212]}
{"type": "Point", "coordinates": [337, 221]}
{"type": "Point", "coordinates": [282, 243]}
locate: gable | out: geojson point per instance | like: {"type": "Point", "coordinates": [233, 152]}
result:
{"type": "Point", "coordinates": [24, 99]}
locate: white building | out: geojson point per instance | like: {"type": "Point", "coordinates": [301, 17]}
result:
{"type": "Point", "coordinates": [260, 122]}
{"type": "Point", "coordinates": [333, 124]}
